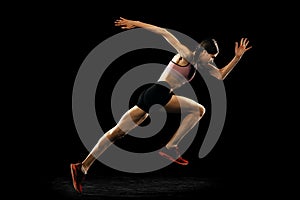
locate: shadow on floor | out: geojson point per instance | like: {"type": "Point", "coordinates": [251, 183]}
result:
{"type": "Point", "coordinates": [127, 187]}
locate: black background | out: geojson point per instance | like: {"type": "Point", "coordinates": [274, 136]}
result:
{"type": "Point", "coordinates": [55, 41]}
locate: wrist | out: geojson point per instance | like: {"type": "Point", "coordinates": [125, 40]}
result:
{"type": "Point", "coordinates": [237, 57]}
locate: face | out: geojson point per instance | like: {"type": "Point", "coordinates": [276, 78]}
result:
{"type": "Point", "coordinates": [205, 57]}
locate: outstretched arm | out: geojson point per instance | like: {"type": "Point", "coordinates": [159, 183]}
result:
{"type": "Point", "coordinates": [172, 40]}
{"type": "Point", "coordinates": [240, 49]}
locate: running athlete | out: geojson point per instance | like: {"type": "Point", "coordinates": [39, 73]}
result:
{"type": "Point", "coordinates": [180, 70]}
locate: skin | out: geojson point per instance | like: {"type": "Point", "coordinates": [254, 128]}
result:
{"type": "Point", "coordinates": [193, 111]}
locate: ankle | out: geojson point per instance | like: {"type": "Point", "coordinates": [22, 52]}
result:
{"type": "Point", "coordinates": [171, 146]}
{"type": "Point", "coordinates": [83, 169]}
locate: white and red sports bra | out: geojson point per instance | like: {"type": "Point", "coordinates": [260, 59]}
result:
{"type": "Point", "coordinates": [177, 75]}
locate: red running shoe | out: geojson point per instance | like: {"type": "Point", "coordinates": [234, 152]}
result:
{"type": "Point", "coordinates": [174, 155]}
{"type": "Point", "coordinates": [77, 176]}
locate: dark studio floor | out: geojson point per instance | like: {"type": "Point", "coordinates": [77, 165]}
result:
{"type": "Point", "coordinates": [128, 187]}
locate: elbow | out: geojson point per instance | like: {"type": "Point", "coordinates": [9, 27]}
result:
{"type": "Point", "coordinates": [220, 76]}
{"type": "Point", "coordinates": [217, 75]}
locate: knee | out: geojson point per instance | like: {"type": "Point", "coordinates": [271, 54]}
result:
{"type": "Point", "coordinates": [201, 110]}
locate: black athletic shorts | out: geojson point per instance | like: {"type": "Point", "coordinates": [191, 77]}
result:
{"type": "Point", "coordinates": [158, 93]}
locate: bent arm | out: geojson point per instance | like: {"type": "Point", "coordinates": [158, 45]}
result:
{"type": "Point", "coordinates": [240, 49]}
{"type": "Point", "coordinates": [171, 39]}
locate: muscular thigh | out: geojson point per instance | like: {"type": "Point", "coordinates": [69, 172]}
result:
{"type": "Point", "coordinates": [181, 104]}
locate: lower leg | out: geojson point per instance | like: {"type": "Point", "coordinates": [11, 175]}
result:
{"type": "Point", "coordinates": [79, 169]}
{"type": "Point", "coordinates": [186, 125]}
{"type": "Point", "coordinates": [129, 121]}
{"type": "Point", "coordinates": [194, 112]}
{"type": "Point", "coordinates": [103, 143]}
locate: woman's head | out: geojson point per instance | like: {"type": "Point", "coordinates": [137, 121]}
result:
{"type": "Point", "coordinates": [211, 46]}
{"type": "Point", "coordinates": [207, 50]}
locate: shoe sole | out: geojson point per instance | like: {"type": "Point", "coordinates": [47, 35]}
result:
{"type": "Point", "coordinates": [172, 159]}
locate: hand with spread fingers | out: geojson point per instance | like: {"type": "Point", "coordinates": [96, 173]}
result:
{"type": "Point", "coordinates": [125, 23]}
{"type": "Point", "coordinates": [241, 48]}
